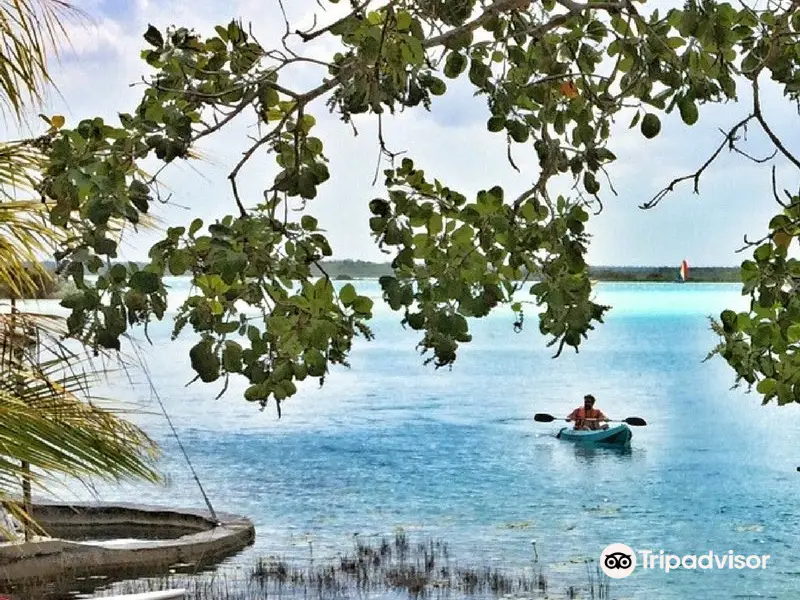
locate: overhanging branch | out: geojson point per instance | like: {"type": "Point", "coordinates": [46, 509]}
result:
{"type": "Point", "coordinates": [729, 140]}
{"type": "Point", "coordinates": [771, 134]}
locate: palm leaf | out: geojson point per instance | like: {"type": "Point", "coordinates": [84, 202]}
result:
{"type": "Point", "coordinates": [20, 164]}
{"type": "Point", "coordinates": [50, 420]}
{"type": "Point", "coordinates": [57, 433]}
{"type": "Point", "coordinates": [26, 238]}
{"type": "Point", "coordinates": [50, 425]}
{"type": "Point", "coordinates": [30, 32]}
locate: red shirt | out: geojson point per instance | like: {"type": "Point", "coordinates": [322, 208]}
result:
{"type": "Point", "coordinates": [579, 415]}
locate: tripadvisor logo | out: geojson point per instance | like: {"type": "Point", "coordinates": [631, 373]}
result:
{"type": "Point", "coordinates": [618, 561]}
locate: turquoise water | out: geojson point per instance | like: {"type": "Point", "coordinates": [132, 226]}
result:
{"type": "Point", "coordinates": [456, 455]}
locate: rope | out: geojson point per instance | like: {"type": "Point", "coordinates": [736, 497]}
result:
{"type": "Point", "coordinates": [155, 393]}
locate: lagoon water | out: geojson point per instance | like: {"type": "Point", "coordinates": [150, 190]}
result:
{"type": "Point", "coordinates": [455, 455]}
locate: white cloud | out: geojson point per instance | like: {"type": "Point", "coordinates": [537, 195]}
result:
{"type": "Point", "coordinates": [451, 143]}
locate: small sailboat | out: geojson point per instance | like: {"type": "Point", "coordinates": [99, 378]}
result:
{"type": "Point", "coordinates": [683, 274]}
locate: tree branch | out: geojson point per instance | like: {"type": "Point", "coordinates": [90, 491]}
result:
{"type": "Point", "coordinates": [307, 36]}
{"type": "Point", "coordinates": [792, 201]}
{"type": "Point", "coordinates": [383, 151]}
{"type": "Point", "coordinates": [758, 242]}
{"type": "Point", "coordinates": [729, 140]}
{"type": "Point", "coordinates": [500, 6]}
{"type": "Point", "coordinates": [537, 30]}
{"type": "Point", "coordinates": [248, 154]}
{"type": "Point", "coordinates": [246, 101]}
{"type": "Point", "coordinates": [760, 118]}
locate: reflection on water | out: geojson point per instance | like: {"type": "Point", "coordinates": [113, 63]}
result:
{"type": "Point", "coordinates": [588, 454]}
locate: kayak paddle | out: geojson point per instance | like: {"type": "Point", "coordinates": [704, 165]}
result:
{"type": "Point", "coordinates": [635, 421]}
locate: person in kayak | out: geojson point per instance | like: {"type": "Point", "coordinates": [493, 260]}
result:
{"type": "Point", "coordinates": [587, 417]}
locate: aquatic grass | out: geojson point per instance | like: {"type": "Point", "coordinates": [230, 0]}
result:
{"type": "Point", "coordinates": [392, 568]}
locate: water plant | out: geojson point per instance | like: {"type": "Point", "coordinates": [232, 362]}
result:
{"type": "Point", "coordinates": [391, 567]}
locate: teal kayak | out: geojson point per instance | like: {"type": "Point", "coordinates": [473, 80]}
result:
{"type": "Point", "coordinates": [613, 436]}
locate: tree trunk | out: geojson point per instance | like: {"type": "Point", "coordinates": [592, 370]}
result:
{"type": "Point", "coordinates": [26, 499]}
{"type": "Point", "coordinates": [26, 468]}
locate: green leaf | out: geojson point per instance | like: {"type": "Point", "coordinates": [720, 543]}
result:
{"type": "Point", "coordinates": [256, 393]}
{"type": "Point", "coordinates": [743, 322]}
{"type": "Point", "coordinates": [76, 300]}
{"type": "Point", "coordinates": [118, 273]}
{"type": "Point", "coordinates": [793, 334]}
{"type": "Point", "coordinates": [203, 360]}
{"type": "Point", "coordinates": [436, 86]}
{"type": "Point", "coordinates": [495, 124]}
{"type": "Point", "coordinates": [590, 182]}
{"type": "Point", "coordinates": [216, 307]}
{"type": "Point", "coordinates": [306, 186]}
{"type": "Point", "coordinates": [688, 109]}
{"type": "Point", "coordinates": [402, 20]}
{"type": "Point", "coordinates": [348, 294]}
{"type": "Point", "coordinates": [518, 131]}
{"type": "Point", "coordinates": [153, 37]}
{"type": "Point", "coordinates": [479, 73]}
{"type": "Point", "coordinates": [455, 64]}
{"type": "Point", "coordinates": [596, 30]}
{"type": "Point", "coordinates": [620, 25]}
{"type": "Point", "coordinates": [314, 145]}
{"type": "Point", "coordinates": [235, 33]}
{"type": "Point", "coordinates": [729, 320]}
{"type": "Point", "coordinates": [766, 386]}
{"type": "Point", "coordinates": [179, 262]}
{"type": "Point", "coordinates": [226, 328]}
{"type": "Point", "coordinates": [105, 339]}
{"type": "Point", "coordinates": [651, 126]}
{"type": "Point", "coordinates": [232, 357]}
{"type": "Point", "coordinates": [145, 282]}
{"type": "Point", "coordinates": [106, 246]}
{"type": "Point", "coordinates": [435, 224]}
{"type": "Point", "coordinates": [139, 194]}
{"type": "Point", "coordinates": [222, 32]}
{"type": "Point", "coordinates": [195, 226]}
{"type": "Point", "coordinates": [308, 223]}
{"type": "Point", "coordinates": [363, 305]}
{"type": "Point", "coordinates": [763, 253]}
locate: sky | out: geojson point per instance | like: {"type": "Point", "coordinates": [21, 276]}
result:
{"type": "Point", "coordinates": [97, 76]}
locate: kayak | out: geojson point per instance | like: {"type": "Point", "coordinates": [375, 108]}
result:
{"type": "Point", "coordinates": [162, 595]}
{"type": "Point", "coordinates": [613, 436]}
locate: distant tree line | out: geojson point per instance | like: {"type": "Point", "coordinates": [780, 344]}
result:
{"type": "Point", "coordinates": [358, 269]}
{"type": "Point", "coordinates": [696, 274]}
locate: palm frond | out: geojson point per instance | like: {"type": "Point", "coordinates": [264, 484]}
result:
{"type": "Point", "coordinates": [20, 165]}
{"type": "Point", "coordinates": [26, 237]}
{"type": "Point", "coordinates": [30, 32]}
{"type": "Point", "coordinates": [48, 417]}
{"type": "Point", "coordinates": [57, 433]}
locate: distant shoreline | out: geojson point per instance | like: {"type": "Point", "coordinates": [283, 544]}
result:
{"type": "Point", "coordinates": [355, 269]}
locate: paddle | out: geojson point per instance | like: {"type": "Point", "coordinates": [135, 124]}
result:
{"type": "Point", "coordinates": [545, 418]}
